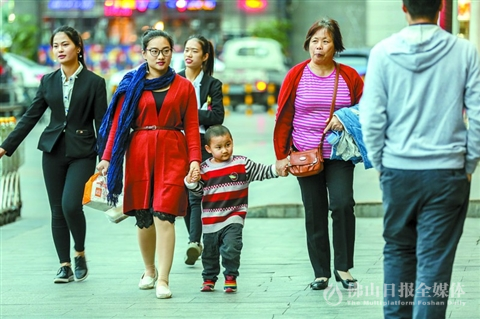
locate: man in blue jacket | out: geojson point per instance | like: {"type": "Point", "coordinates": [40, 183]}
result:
{"type": "Point", "coordinates": [420, 83]}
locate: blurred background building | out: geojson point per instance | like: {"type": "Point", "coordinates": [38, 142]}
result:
{"type": "Point", "coordinates": [112, 28]}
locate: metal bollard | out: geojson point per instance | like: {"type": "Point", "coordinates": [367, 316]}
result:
{"type": "Point", "coordinates": [248, 98]}
{"type": "Point", "coordinates": [226, 99]}
{"type": "Point", "coordinates": [271, 100]}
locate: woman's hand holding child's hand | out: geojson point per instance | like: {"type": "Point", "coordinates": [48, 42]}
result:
{"type": "Point", "coordinates": [281, 167]}
{"type": "Point", "coordinates": [193, 175]}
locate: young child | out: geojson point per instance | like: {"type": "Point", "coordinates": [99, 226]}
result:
{"type": "Point", "coordinates": [224, 187]}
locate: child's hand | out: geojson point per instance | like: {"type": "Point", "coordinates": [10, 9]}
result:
{"type": "Point", "coordinates": [194, 176]}
{"type": "Point", "coordinates": [282, 172]}
{"type": "Point", "coordinates": [281, 167]}
{"type": "Point", "coordinates": [188, 178]}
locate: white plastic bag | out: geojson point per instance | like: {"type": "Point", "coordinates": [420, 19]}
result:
{"type": "Point", "coordinates": [95, 196]}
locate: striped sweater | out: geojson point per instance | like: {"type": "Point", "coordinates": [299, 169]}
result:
{"type": "Point", "coordinates": [224, 187]}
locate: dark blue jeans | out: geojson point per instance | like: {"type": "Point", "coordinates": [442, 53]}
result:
{"type": "Point", "coordinates": [227, 243]}
{"type": "Point", "coordinates": [424, 216]}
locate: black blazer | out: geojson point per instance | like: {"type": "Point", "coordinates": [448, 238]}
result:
{"type": "Point", "coordinates": [210, 86]}
{"type": "Point", "coordinates": [87, 105]}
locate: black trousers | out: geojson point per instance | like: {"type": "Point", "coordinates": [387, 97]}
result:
{"type": "Point", "coordinates": [332, 190]}
{"type": "Point", "coordinates": [65, 179]}
{"type": "Point", "coordinates": [193, 217]}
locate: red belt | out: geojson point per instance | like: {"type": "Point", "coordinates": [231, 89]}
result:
{"type": "Point", "coordinates": [155, 128]}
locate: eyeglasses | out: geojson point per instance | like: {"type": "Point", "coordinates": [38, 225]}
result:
{"type": "Point", "coordinates": [156, 52]}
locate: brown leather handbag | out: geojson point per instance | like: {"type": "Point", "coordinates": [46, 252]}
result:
{"type": "Point", "coordinates": [310, 162]}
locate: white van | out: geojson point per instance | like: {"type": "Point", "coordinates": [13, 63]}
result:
{"type": "Point", "coordinates": [254, 71]}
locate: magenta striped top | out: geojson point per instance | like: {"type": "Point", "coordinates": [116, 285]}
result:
{"type": "Point", "coordinates": [312, 108]}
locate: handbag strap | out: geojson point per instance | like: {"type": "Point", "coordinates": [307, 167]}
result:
{"type": "Point", "coordinates": [332, 107]}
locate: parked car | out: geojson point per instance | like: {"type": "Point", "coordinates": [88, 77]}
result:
{"type": "Point", "coordinates": [356, 58]}
{"type": "Point", "coordinates": [12, 98]}
{"type": "Point", "coordinates": [6, 80]}
{"type": "Point", "coordinates": [28, 72]}
{"type": "Point", "coordinates": [254, 69]}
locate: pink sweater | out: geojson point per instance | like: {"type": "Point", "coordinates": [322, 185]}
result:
{"type": "Point", "coordinates": [312, 109]}
{"type": "Point", "coordinates": [282, 136]}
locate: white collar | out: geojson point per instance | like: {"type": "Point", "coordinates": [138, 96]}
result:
{"type": "Point", "coordinates": [74, 75]}
{"type": "Point", "coordinates": [198, 79]}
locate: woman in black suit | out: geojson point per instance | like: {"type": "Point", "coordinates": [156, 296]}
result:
{"type": "Point", "coordinates": [199, 60]}
{"type": "Point", "coordinates": [77, 99]}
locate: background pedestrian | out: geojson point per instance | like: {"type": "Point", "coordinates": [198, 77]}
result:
{"type": "Point", "coordinates": [419, 83]}
{"type": "Point", "coordinates": [77, 100]}
{"type": "Point", "coordinates": [199, 56]}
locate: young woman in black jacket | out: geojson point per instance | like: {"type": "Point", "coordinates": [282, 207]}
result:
{"type": "Point", "coordinates": [199, 57]}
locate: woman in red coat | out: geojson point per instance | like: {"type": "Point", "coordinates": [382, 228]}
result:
{"type": "Point", "coordinates": [157, 105]}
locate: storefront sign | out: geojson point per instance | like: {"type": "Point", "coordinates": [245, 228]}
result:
{"type": "Point", "coordinates": [192, 5]}
{"type": "Point", "coordinates": [124, 8]}
{"type": "Point", "coordinates": [70, 4]}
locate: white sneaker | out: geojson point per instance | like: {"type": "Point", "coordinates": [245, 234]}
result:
{"type": "Point", "coordinates": [147, 282]}
{"type": "Point", "coordinates": [163, 292]}
{"type": "Point", "coordinates": [194, 251]}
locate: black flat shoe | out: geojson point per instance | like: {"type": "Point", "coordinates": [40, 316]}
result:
{"type": "Point", "coordinates": [319, 285]}
{"type": "Point", "coordinates": [81, 270]}
{"type": "Point", "coordinates": [346, 283]}
{"type": "Point", "coordinates": [64, 275]}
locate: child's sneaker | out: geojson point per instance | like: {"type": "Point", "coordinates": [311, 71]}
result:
{"type": "Point", "coordinates": [208, 285]}
{"type": "Point", "coordinates": [230, 284]}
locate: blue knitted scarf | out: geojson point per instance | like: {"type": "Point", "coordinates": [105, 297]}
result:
{"type": "Point", "coordinates": [132, 85]}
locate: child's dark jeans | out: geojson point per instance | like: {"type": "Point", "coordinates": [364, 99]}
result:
{"type": "Point", "coordinates": [227, 243]}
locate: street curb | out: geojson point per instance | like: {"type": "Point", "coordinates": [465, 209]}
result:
{"type": "Point", "coordinates": [368, 210]}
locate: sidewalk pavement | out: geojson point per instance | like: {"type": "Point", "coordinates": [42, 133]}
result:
{"type": "Point", "coordinates": [273, 282]}
{"type": "Point", "coordinates": [274, 274]}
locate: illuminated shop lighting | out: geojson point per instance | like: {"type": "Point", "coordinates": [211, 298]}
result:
{"type": "Point", "coordinates": [159, 25]}
{"type": "Point", "coordinates": [252, 5]}
{"type": "Point", "coordinates": [191, 5]}
{"type": "Point", "coordinates": [71, 4]}
{"type": "Point", "coordinates": [463, 10]}
{"type": "Point", "coordinates": [125, 8]}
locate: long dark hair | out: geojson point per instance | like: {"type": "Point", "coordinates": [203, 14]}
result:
{"type": "Point", "coordinates": [207, 47]}
{"type": "Point", "coordinates": [76, 39]}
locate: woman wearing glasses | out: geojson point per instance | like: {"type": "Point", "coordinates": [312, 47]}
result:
{"type": "Point", "coordinates": [199, 58]}
{"type": "Point", "coordinates": [144, 124]}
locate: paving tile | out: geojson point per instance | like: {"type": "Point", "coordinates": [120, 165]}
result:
{"type": "Point", "coordinates": [274, 276]}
